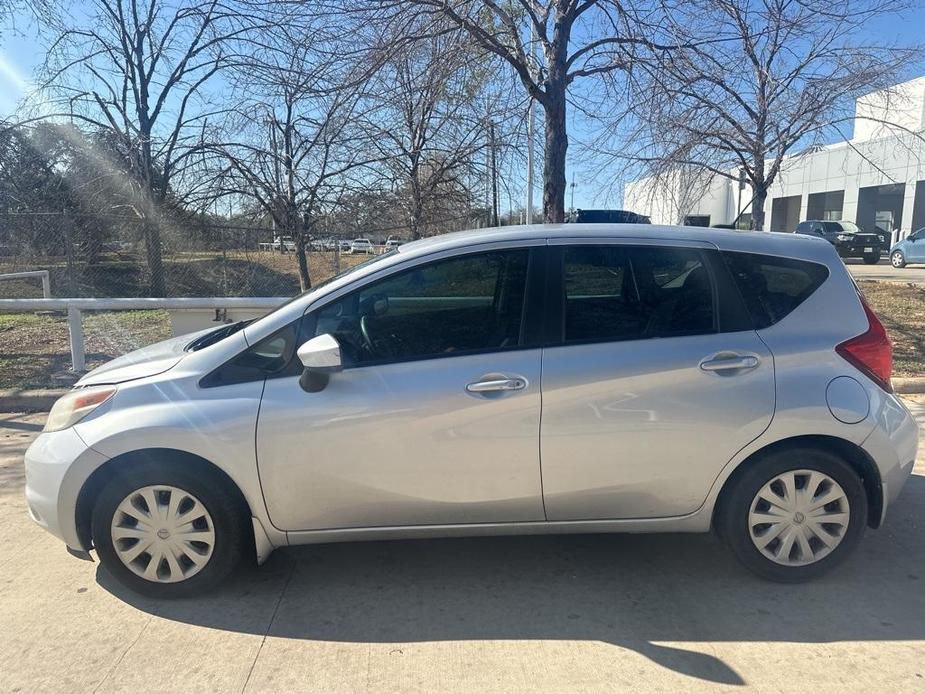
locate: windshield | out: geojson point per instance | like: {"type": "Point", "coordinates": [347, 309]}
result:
{"type": "Point", "coordinates": [842, 227]}
{"type": "Point", "coordinates": [216, 335]}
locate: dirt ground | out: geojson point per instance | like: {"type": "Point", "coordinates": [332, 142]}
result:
{"type": "Point", "coordinates": [901, 307]}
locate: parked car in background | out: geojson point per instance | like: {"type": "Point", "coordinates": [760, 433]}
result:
{"type": "Point", "coordinates": [848, 238]}
{"type": "Point", "coordinates": [393, 243]}
{"type": "Point", "coordinates": [606, 217]}
{"type": "Point", "coordinates": [361, 246]}
{"type": "Point", "coordinates": [283, 243]}
{"type": "Point", "coordinates": [673, 379]}
{"type": "Point", "coordinates": [910, 250]}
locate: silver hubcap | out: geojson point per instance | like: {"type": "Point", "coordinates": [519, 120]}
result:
{"type": "Point", "coordinates": [897, 259]}
{"type": "Point", "coordinates": [163, 534]}
{"type": "Point", "coordinates": [798, 517]}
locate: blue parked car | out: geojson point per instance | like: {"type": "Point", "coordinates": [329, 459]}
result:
{"type": "Point", "coordinates": [910, 250]}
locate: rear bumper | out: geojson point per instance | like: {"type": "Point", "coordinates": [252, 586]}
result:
{"type": "Point", "coordinates": [53, 480]}
{"type": "Point", "coordinates": [857, 250]}
{"type": "Point", "coordinates": [893, 445]}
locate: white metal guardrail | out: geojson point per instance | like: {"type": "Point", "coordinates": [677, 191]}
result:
{"type": "Point", "coordinates": [75, 307]}
{"type": "Point", "coordinates": [43, 274]}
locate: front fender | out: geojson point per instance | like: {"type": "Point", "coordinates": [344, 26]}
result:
{"type": "Point", "coordinates": [216, 424]}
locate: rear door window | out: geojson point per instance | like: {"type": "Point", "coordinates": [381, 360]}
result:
{"type": "Point", "coordinates": [630, 293]}
{"type": "Point", "coordinates": [772, 287]}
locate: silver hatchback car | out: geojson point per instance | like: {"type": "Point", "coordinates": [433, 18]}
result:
{"type": "Point", "coordinates": [541, 379]}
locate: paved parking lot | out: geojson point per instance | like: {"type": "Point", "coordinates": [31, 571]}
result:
{"type": "Point", "coordinates": [884, 272]}
{"type": "Point", "coordinates": [555, 614]}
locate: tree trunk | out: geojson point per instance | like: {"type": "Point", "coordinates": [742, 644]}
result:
{"type": "Point", "coordinates": [414, 222]}
{"type": "Point", "coordinates": [554, 105]}
{"type": "Point", "coordinates": [554, 164]}
{"type": "Point", "coordinates": [300, 235]}
{"type": "Point", "coordinates": [758, 201]}
{"type": "Point", "coordinates": [152, 234]}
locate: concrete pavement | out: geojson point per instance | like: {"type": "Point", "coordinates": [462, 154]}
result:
{"type": "Point", "coordinates": [553, 614]}
{"type": "Point", "coordinates": [884, 272]}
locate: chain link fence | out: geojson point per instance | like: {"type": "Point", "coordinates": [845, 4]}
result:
{"type": "Point", "coordinates": [108, 258]}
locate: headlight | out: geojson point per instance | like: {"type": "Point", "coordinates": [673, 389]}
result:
{"type": "Point", "coordinates": [71, 408]}
{"type": "Point", "coordinates": [843, 237]}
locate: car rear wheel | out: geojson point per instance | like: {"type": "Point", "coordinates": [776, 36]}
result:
{"type": "Point", "coordinates": [794, 514]}
{"type": "Point", "coordinates": [898, 260]}
{"type": "Point", "coordinates": [166, 533]}
{"type": "Point", "coordinates": [871, 259]}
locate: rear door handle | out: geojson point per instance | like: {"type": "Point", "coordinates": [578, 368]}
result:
{"type": "Point", "coordinates": [496, 385]}
{"type": "Point", "coordinates": [730, 363]}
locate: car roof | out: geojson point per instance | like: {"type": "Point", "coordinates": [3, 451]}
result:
{"type": "Point", "coordinates": [786, 244]}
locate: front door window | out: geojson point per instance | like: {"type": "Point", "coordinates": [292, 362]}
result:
{"type": "Point", "coordinates": [462, 305]}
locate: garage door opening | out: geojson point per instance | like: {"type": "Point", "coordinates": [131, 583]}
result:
{"type": "Point", "coordinates": [880, 208]}
{"type": "Point", "coordinates": [827, 206]}
{"type": "Point", "coordinates": [785, 213]}
{"type": "Point", "coordinates": [918, 207]}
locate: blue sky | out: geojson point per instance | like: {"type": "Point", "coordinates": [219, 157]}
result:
{"type": "Point", "coordinates": [21, 52]}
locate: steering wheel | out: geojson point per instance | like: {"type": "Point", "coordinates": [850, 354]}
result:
{"type": "Point", "coordinates": [367, 340]}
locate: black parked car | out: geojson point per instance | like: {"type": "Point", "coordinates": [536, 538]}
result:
{"type": "Point", "coordinates": [607, 217]}
{"type": "Point", "coordinates": [850, 240]}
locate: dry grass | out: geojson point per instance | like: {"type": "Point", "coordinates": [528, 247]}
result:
{"type": "Point", "coordinates": [234, 273]}
{"type": "Point", "coordinates": [35, 352]}
{"type": "Point", "coordinates": [901, 307]}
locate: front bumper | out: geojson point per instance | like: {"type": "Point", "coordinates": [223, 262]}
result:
{"type": "Point", "coordinates": [57, 465]}
{"type": "Point", "coordinates": [851, 250]}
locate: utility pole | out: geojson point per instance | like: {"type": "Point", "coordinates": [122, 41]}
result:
{"type": "Point", "coordinates": [531, 129]}
{"type": "Point", "coordinates": [494, 174]}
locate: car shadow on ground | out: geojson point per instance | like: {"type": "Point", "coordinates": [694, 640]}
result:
{"type": "Point", "coordinates": [659, 595]}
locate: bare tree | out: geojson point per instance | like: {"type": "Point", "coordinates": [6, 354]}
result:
{"type": "Point", "coordinates": [741, 107]}
{"type": "Point", "coordinates": [437, 105]}
{"type": "Point", "coordinates": [142, 69]}
{"type": "Point", "coordinates": [296, 136]}
{"type": "Point", "coordinates": [574, 39]}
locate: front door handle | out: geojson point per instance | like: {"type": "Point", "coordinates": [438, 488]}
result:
{"type": "Point", "coordinates": [730, 363]}
{"type": "Point", "coordinates": [496, 385]}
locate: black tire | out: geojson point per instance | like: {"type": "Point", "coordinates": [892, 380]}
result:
{"type": "Point", "coordinates": [229, 522]}
{"type": "Point", "coordinates": [898, 260]}
{"type": "Point", "coordinates": [733, 513]}
{"type": "Point", "coordinates": [871, 259]}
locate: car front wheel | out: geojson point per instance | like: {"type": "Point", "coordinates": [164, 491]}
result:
{"type": "Point", "coordinates": [794, 514]}
{"type": "Point", "coordinates": [898, 260]}
{"type": "Point", "coordinates": [166, 533]}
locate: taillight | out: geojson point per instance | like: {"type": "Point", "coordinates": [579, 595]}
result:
{"type": "Point", "coordinates": [871, 352]}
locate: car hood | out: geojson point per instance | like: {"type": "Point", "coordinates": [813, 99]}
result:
{"type": "Point", "coordinates": [147, 361]}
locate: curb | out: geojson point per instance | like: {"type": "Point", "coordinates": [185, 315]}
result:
{"type": "Point", "coordinates": [41, 400]}
{"type": "Point", "coordinates": [29, 400]}
{"type": "Point", "coordinates": [909, 386]}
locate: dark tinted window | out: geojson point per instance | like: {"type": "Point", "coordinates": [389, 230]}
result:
{"type": "Point", "coordinates": [772, 287]}
{"type": "Point", "coordinates": [631, 293]}
{"type": "Point", "coordinates": [268, 357]}
{"type": "Point", "coordinates": [465, 304]}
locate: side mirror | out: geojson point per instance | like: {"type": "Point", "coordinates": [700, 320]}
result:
{"type": "Point", "coordinates": [320, 357]}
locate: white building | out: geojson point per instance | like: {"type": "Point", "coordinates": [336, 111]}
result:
{"type": "Point", "coordinates": [877, 178]}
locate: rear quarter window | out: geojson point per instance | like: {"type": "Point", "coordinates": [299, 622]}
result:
{"type": "Point", "coordinates": [773, 287]}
